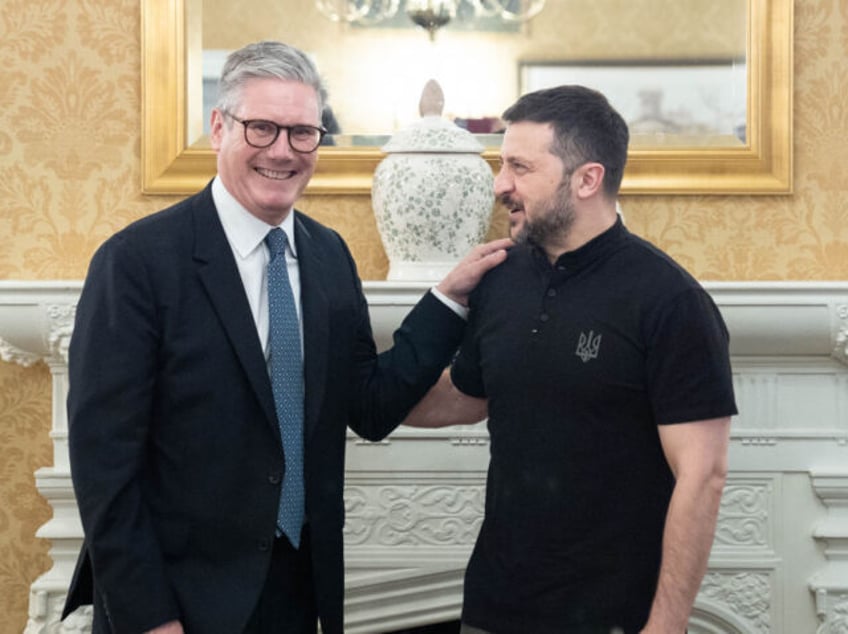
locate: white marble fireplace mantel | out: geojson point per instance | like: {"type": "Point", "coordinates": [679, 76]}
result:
{"type": "Point", "coordinates": [414, 502]}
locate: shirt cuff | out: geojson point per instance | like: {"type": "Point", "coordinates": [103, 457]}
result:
{"type": "Point", "coordinates": [456, 307]}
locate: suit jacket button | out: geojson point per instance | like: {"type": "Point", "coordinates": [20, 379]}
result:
{"type": "Point", "coordinates": [274, 478]}
{"type": "Point", "coordinates": [264, 544]}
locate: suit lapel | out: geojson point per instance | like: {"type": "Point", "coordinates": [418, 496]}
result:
{"type": "Point", "coordinates": [315, 305]}
{"type": "Point", "coordinates": [218, 273]}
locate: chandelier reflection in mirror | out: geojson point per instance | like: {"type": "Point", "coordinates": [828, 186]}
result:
{"type": "Point", "coordinates": [431, 15]}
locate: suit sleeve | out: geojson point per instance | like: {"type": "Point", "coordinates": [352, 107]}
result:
{"type": "Point", "coordinates": [112, 368]}
{"type": "Point", "coordinates": [387, 386]}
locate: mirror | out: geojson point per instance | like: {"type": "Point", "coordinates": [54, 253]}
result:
{"type": "Point", "coordinates": [751, 154]}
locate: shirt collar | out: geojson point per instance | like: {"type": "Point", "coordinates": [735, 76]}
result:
{"type": "Point", "coordinates": [597, 247]}
{"type": "Point", "coordinates": [245, 231]}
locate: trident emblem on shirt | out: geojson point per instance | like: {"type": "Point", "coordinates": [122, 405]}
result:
{"type": "Point", "coordinates": [588, 346]}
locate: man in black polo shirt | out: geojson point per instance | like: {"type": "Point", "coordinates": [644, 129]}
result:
{"type": "Point", "coordinates": [603, 367]}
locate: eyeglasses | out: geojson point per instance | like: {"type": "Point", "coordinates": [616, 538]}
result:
{"type": "Point", "coordinates": [259, 133]}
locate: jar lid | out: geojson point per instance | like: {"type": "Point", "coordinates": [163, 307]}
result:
{"type": "Point", "coordinates": [433, 134]}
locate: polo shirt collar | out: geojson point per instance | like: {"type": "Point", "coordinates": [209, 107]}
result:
{"type": "Point", "coordinates": [597, 247]}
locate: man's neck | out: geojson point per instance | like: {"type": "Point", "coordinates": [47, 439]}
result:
{"type": "Point", "coordinates": [587, 226]}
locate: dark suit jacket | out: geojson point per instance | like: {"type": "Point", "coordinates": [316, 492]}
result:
{"type": "Point", "coordinates": [175, 449]}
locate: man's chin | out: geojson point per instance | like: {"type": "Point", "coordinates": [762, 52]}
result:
{"type": "Point", "coordinates": [517, 221]}
{"type": "Point", "coordinates": [519, 233]}
{"type": "Point", "coordinates": [281, 197]}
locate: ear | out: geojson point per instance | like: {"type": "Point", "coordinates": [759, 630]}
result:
{"type": "Point", "coordinates": [589, 180]}
{"type": "Point", "coordinates": [216, 128]}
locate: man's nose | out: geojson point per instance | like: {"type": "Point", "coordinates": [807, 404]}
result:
{"type": "Point", "coordinates": [503, 183]}
{"type": "Point", "coordinates": [280, 148]}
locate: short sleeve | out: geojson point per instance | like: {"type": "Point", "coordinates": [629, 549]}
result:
{"type": "Point", "coordinates": [688, 360]}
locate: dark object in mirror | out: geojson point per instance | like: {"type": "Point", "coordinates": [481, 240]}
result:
{"type": "Point", "coordinates": [331, 125]}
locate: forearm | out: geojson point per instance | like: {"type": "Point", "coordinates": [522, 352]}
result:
{"type": "Point", "coordinates": [444, 405]}
{"type": "Point", "coordinates": [687, 540]}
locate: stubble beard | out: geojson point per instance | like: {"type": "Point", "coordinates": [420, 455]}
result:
{"type": "Point", "coordinates": [554, 223]}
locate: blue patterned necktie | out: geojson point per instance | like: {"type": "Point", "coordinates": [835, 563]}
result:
{"type": "Point", "coordinates": [286, 369]}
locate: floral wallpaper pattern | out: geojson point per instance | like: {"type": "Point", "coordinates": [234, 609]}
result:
{"type": "Point", "coordinates": [69, 177]}
{"type": "Point", "coordinates": [24, 447]}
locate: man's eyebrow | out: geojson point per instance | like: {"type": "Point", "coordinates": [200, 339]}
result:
{"type": "Point", "coordinates": [513, 159]}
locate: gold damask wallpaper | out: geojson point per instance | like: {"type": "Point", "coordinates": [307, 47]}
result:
{"type": "Point", "coordinates": [69, 177]}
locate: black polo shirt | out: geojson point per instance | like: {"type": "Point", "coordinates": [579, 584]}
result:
{"type": "Point", "coordinates": [580, 362]}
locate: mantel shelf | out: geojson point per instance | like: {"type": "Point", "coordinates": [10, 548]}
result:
{"type": "Point", "coordinates": [786, 489]}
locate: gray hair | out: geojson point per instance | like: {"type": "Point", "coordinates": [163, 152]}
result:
{"type": "Point", "coordinates": [266, 59]}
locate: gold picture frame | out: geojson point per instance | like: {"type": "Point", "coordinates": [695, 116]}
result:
{"type": "Point", "coordinates": [763, 165]}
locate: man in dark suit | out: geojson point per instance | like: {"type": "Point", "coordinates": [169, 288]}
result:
{"type": "Point", "coordinates": [177, 452]}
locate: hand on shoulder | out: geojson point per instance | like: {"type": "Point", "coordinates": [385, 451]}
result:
{"type": "Point", "coordinates": [465, 276]}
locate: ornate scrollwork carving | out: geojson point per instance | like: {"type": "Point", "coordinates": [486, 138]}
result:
{"type": "Point", "coordinates": [836, 619]}
{"type": "Point", "coordinates": [746, 594]}
{"type": "Point", "coordinates": [13, 354]}
{"type": "Point", "coordinates": [743, 516]}
{"type": "Point", "coordinates": [61, 326]}
{"type": "Point", "coordinates": [413, 515]}
{"type": "Point", "coordinates": [46, 618]}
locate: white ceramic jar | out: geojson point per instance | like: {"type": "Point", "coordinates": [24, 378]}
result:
{"type": "Point", "coordinates": [432, 196]}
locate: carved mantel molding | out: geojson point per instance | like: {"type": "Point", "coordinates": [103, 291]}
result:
{"type": "Point", "coordinates": [830, 584]}
{"type": "Point", "coordinates": [36, 320]}
{"type": "Point", "coordinates": [841, 349]}
{"type": "Point", "coordinates": [414, 502]}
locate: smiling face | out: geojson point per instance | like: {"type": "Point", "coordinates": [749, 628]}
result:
{"type": "Point", "coordinates": [533, 184]}
{"type": "Point", "coordinates": [266, 181]}
{"type": "Point", "coordinates": [550, 227]}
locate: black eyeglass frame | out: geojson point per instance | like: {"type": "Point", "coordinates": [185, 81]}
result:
{"type": "Point", "coordinates": [278, 128]}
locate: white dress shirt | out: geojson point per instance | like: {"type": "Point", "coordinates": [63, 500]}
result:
{"type": "Point", "coordinates": [246, 235]}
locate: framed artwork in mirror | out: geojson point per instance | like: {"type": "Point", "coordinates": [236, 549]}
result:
{"type": "Point", "coordinates": [693, 104]}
